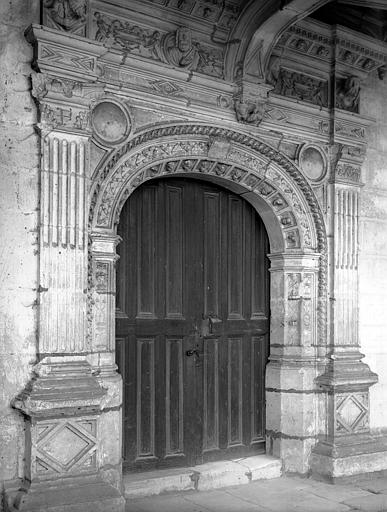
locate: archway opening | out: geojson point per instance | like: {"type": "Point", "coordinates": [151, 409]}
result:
{"type": "Point", "coordinates": [192, 330]}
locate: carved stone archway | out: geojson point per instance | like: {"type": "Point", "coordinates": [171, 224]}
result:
{"type": "Point", "coordinates": [289, 209]}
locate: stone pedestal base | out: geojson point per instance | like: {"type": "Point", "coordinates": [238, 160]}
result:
{"type": "Point", "coordinates": [86, 494]}
{"type": "Point", "coordinates": [349, 456]}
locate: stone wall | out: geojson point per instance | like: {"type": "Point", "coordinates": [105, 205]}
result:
{"type": "Point", "coordinates": [19, 159]}
{"type": "Point", "coordinates": [373, 247]}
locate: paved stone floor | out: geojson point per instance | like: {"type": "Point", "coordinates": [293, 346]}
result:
{"type": "Point", "coordinates": [285, 494]}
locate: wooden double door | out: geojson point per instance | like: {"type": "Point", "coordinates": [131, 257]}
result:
{"type": "Point", "coordinates": [192, 324]}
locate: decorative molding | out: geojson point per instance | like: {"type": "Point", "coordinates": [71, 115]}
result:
{"type": "Point", "coordinates": [319, 43]}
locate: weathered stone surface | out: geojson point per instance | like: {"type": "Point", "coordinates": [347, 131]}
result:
{"type": "Point", "coordinates": [19, 160]}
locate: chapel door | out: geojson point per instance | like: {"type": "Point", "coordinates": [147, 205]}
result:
{"type": "Point", "coordinates": [192, 324]}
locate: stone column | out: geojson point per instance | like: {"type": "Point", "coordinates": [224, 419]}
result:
{"type": "Point", "coordinates": [346, 447]}
{"type": "Point", "coordinates": [291, 425]}
{"type": "Point", "coordinates": [71, 462]}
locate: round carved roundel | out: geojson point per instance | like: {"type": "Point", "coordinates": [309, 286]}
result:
{"type": "Point", "coordinates": [312, 163]}
{"type": "Point", "coordinates": [111, 124]}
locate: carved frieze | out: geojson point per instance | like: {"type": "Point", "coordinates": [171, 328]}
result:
{"type": "Point", "coordinates": [63, 118]}
{"type": "Point", "coordinates": [176, 48]}
{"type": "Point", "coordinates": [221, 12]}
{"type": "Point", "coordinates": [297, 85]}
{"type": "Point", "coordinates": [348, 173]}
{"type": "Point", "coordinates": [67, 15]}
{"type": "Point", "coordinates": [43, 84]}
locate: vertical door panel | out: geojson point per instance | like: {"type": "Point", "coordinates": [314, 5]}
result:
{"type": "Point", "coordinates": [174, 397]}
{"type": "Point", "coordinates": [235, 258]}
{"type": "Point", "coordinates": [211, 395]}
{"type": "Point", "coordinates": [145, 398]}
{"type": "Point", "coordinates": [234, 392]}
{"type": "Point", "coordinates": [174, 256]}
{"type": "Point", "coordinates": [146, 239]}
{"type": "Point", "coordinates": [211, 253]}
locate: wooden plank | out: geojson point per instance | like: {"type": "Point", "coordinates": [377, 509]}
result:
{"type": "Point", "coordinates": [211, 253]}
{"type": "Point", "coordinates": [211, 395]}
{"type": "Point", "coordinates": [174, 396]}
{"type": "Point", "coordinates": [174, 253]}
{"type": "Point", "coordinates": [235, 257]}
{"type": "Point", "coordinates": [146, 238]}
{"type": "Point", "coordinates": [234, 391]}
{"type": "Point", "coordinates": [145, 398]}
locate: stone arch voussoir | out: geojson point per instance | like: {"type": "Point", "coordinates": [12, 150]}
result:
{"type": "Point", "coordinates": [242, 163]}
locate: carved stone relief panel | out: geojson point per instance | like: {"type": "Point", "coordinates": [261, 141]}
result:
{"type": "Point", "coordinates": [293, 84]}
{"type": "Point", "coordinates": [67, 15]}
{"type": "Point", "coordinates": [348, 93]}
{"type": "Point", "coordinates": [64, 446]}
{"type": "Point", "coordinates": [220, 12]}
{"type": "Point", "coordinates": [177, 48]}
{"type": "Point", "coordinates": [352, 413]}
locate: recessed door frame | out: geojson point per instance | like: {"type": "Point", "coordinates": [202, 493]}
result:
{"type": "Point", "coordinates": [294, 223]}
{"type": "Point", "coordinates": [231, 319]}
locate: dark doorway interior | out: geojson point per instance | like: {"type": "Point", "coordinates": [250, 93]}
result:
{"type": "Point", "coordinates": [192, 324]}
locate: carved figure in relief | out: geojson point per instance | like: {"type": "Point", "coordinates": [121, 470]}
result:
{"type": "Point", "coordinates": [297, 85]}
{"type": "Point", "coordinates": [179, 49]}
{"type": "Point", "coordinates": [249, 112]}
{"type": "Point", "coordinates": [381, 72]}
{"type": "Point", "coordinates": [273, 71]}
{"type": "Point", "coordinates": [103, 28]}
{"type": "Point", "coordinates": [67, 15]}
{"type": "Point", "coordinates": [348, 95]}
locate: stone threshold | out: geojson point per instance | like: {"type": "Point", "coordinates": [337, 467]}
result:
{"type": "Point", "coordinates": [212, 475]}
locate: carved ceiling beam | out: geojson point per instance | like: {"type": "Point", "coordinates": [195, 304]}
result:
{"type": "Point", "coordinates": [264, 39]}
{"type": "Point", "coordinates": [371, 4]}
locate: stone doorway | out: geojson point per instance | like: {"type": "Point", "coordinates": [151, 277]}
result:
{"type": "Point", "coordinates": [193, 324]}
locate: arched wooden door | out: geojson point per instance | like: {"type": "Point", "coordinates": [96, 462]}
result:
{"type": "Point", "coordinates": [192, 324]}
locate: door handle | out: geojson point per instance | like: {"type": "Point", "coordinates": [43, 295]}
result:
{"type": "Point", "coordinates": [193, 352]}
{"type": "Point", "coordinates": [208, 324]}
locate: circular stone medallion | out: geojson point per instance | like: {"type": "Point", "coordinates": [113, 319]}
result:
{"type": "Point", "coordinates": [312, 163]}
{"type": "Point", "coordinates": [110, 123]}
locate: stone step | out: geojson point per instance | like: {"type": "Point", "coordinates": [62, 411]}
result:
{"type": "Point", "coordinates": [211, 475]}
